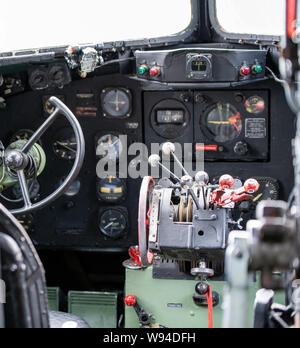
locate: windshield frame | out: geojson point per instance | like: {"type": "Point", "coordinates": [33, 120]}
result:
{"type": "Point", "coordinates": [235, 37]}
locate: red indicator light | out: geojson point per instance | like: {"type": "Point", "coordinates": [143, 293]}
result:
{"type": "Point", "coordinates": [206, 148]}
{"type": "Point", "coordinates": [155, 71]}
{"type": "Point", "coordinates": [245, 70]}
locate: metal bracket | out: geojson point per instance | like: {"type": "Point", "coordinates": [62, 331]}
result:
{"type": "Point", "coordinates": [154, 216]}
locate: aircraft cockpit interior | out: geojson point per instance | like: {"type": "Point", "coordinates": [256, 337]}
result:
{"type": "Point", "coordinates": [150, 166]}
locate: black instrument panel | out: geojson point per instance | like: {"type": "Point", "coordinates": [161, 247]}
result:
{"type": "Point", "coordinates": [227, 126]}
{"type": "Point", "coordinates": [100, 214]}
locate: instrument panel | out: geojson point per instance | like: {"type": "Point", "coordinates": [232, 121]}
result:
{"type": "Point", "coordinates": [227, 126]}
{"type": "Point", "coordinates": [232, 126]}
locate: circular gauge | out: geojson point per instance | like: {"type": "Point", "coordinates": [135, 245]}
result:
{"type": "Point", "coordinates": [109, 146]}
{"type": "Point", "coordinates": [111, 190]}
{"type": "Point", "coordinates": [57, 75]}
{"type": "Point", "coordinates": [224, 123]}
{"type": "Point", "coordinates": [113, 223]}
{"type": "Point", "coordinates": [23, 134]}
{"type": "Point", "coordinates": [73, 190]}
{"type": "Point", "coordinates": [38, 79]}
{"type": "Point", "coordinates": [26, 221]}
{"type": "Point", "coordinates": [116, 102]}
{"type": "Point", "coordinates": [268, 190]}
{"type": "Point", "coordinates": [255, 105]}
{"type": "Point", "coordinates": [49, 108]}
{"type": "Point", "coordinates": [170, 118]}
{"type": "Point", "coordinates": [33, 186]}
{"type": "Point", "coordinates": [65, 145]}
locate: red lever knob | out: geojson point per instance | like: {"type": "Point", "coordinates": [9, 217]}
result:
{"type": "Point", "coordinates": [251, 186]}
{"type": "Point", "coordinates": [130, 300]}
{"type": "Point", "coordinates": [226, 182]}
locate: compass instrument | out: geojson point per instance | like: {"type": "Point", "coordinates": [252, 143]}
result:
{"type": "Point", "coordinates": [224, 123]}
{"type": "Point", "coordinates": [116, 102]}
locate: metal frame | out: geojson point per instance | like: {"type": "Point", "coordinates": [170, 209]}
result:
{"type": "Point", "coordinates": [235, 37]}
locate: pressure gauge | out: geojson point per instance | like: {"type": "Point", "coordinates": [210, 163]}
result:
{"type": "Point", "coordinates": [113, 223]}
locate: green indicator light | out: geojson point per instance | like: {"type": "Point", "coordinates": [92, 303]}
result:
{"type": "Point", "coordinates": [257, 69]}
{"type": "Point", "coordinates": [143, 70]}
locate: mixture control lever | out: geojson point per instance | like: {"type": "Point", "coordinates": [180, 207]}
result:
{"type": "Point", "coordinates": [144, 318]}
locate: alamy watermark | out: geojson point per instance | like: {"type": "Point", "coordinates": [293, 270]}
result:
{"type": "Point", "coordinates": [2, 292]}
{"type": "Point", "coordinates": [131, 160]}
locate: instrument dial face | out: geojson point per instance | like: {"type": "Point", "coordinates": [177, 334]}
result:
{"type": "Point", "coordinates": [65, 145]}
{"type": "Point", "coordinates": [73, 190]}
{"type": "Point", "coordinates": [33, 187]}
{"type": "Point", "coordinates": [255, 105]}
{"type": "Point", "coordinates": [224, 123]}
{"type": "Point", "coordinates": [268, 190]}
{"type": "Point", "coordinates": [23, 134]}
{"type": "Point", "coordinates": [116, 103]}
{"type": "Point", "coordinates": [26, 221]}
{"type": "Point", "coordinates": [109, 146]}
{"type": "Point", "coordinates": [111, 190]}
{"type": "Point", "coordinates": [113, 223]}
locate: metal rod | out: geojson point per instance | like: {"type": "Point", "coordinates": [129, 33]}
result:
{"type": "Point", "coordinates": [168, 171]}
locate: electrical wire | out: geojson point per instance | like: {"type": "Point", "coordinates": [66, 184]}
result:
{"type": "Point", "coordinates": [110, 62]}
{"type": "Point", "coordinates": [289, 93]}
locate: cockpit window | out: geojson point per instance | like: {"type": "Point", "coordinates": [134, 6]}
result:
{"type": "Point", "coordinates": [259, 17]}
{"type": "Point", "coordinates": [35, 24]}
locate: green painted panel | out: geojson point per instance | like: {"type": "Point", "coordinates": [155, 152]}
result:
{"type": "Point", "coordinates": [99, 309]}
{"type": "Point", "coordinates": [171, 301]}
{"type": "Point", "coordinates": [53, 299]}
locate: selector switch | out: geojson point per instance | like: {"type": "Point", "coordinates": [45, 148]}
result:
{"type": "Point", "coordinates": [241, 148]}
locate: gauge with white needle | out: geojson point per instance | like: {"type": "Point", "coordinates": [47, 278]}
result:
{"type": "Point", "coordinates": [65, 145]}
{"type": "Point", "coordinates": [113, 223]}
{"type": "Point", "coordinates": [109, 146]}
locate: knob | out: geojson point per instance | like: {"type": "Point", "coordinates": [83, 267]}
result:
{"type": "Point", "coordinates": [130, 300]}
{"type": "Point", "coordinates": [241, 149]}
{"type": "Point", "coordinates": [168, 148]}
{"type": "Point", "coordinates": [226, 182]}
{"type": "Point", "coordinates": [202, 178]}
{"type": "Point", "coordinates": [154, 161]}
{"type": "Point", "coordinates": [185, 97]}
{"type": "Point", "coordinates": [251, 186]}
{"type": "Point", "coordinates": [201, 289]}
{"type": "Point", "coordinates": [186, 182]}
